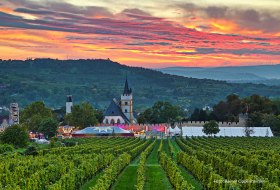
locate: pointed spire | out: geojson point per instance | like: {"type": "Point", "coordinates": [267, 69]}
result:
{"type": "Point", "coordinates": [126, 90]}
{"type": "Point", "coordinates": [69, 98]}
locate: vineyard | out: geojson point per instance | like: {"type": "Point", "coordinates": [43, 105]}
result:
{"type": "Point", "coordinates": [146, 164]}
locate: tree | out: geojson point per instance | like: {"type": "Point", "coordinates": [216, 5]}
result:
{"type": "Point", "coordinates": [141, 119]}
{"type": "Point", "coordinates": [99, 116]}
{"type": "Point", "coordinates": [33, 114]}
{"type": "Point", "coordinates": [195, 115]}
{"type": "Point", "coordinates": [31, 150]}
{"type": "Point", "coordinates": [255, 120]}
{"type": "Point", "coordinates": [59, 114]}
{"type": "Point", "coordinates": [161, 112]}
{"type": "Point", "coordinates": [48, 126]}
{"type": "Point", "coordinates": [248, 131]}
{"type": "Point", "coordinates": [82, 116]}
{"type": "Point", "coordinates": [260, 104]}
{"type": "Point", "coordinates": [276, 105]}
{"type": "Point", "coordinates": [202, 115]}
{"type": "Point", "coordinates": [15, 135]}
{"type": "Point", "coordinates": [199, 115]}
{"type": "Point", "coordinates": [221, 110]}
{"type": "Point", "coordinates": [211, 127]}
{"type": "Point", "coordinates": [272, 121]}
{"type": "Point", "coordinates": [234, 104]}
{"type": "Point", "coordinates": [228, 110]}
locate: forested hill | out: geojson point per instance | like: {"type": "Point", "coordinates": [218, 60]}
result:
{"type": "Point", "coordinates": [98, 81]}
{"type": "Point", "coordinates": [257, 74]}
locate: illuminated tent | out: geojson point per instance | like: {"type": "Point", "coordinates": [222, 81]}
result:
{"type": "Point", "coordinates": [102, 131]}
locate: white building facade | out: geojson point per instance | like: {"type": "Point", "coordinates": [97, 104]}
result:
{"type": "Point", "coordinates": [69, 104]}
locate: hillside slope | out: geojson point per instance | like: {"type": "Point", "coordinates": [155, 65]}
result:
{"type": "Point", "coordinates": [98, 81]}
{"type": "Point", "coordinates": [266, 74]}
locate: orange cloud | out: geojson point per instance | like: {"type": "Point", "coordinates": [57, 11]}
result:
{"type": "Point", "coordinates": [6, 10]}
{"type": "Point", "coordinates": [229, 27]}
{"type": "Point", "coordinates": [224, 26]}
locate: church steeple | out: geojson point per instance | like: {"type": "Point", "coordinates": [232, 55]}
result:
{"type": "Point", "coordinates": [126, 91]}
{"type": "Point", "coordinates": [127, 102]}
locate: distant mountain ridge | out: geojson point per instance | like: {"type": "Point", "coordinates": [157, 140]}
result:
{"type": "Point", "coordinates": [262, 74]}
{"type": "Point", "coordinates": [99, 81]}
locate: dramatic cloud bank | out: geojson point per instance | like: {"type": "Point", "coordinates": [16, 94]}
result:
{"type": "Point", "coordinates": [148, 34]}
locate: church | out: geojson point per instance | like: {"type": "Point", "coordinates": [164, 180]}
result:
{"type": "Point", "coordinates": [121, 112]}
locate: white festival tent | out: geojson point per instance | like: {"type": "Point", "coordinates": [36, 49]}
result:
{"type": "Point", "coordinates": [177, 130]}
{"type": "Point", "coordinates": [170, 131]}
{"type": "Point", "coordinates": [229, 132]}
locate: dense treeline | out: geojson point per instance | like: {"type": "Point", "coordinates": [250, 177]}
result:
{"type": "Point", "coordinates": [161, 112]}
{"type": "Point", "coordinates": [98, 81]}
{"type": "Point", "coordinates": [38, 118]}
{"type": "Point", "coordinates": [261, 111]}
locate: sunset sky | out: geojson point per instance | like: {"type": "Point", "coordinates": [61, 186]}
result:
{"type": "Point", "coordinates": [147, 33]}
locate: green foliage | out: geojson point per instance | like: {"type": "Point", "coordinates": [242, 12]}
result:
{"type": "Point", "coordinates": [82, 116]}
{"type": "Point", "coordinates": [98, 81]}
{"type": "Point", "coordinates": [226, 163]}
{"type": "Point", "coordinates": [141, 176]}
{"type": "Point", "coordinates": [33, 114]}
{"type": "Point", "coordinates": [15, 135]}
{"type": "Point", "coordinates": [255, 120]}
{"type": "Point", "coordinates": [211, 127]}
{"type": "Point", "coordinates": [218, 163]}
{"type": "Point", "coordinates": [48, 126]}
{"type": "Point", "coordinates": [110, 174]}
{"type": "Point", "coordinates": [64, 168]}
{"type": "Point", "coordinates": [234, 105]}
{"type": "Point", "coordinates": [31, 150]}
{"type": "Point", "coordinates": [257, 103]}
{"type": "Point", "coordinates": [161, 112]}
{"type": "Point", "coordinates": [276, 103]}
{"type": "Point", "coordinates": [52, 143]}
{"type": "Point", "coordinates": [228, 110]}
{"type": "Point", "coordinates": [68, 143]}
{"type": "Point", "coordinates": [171, 148]}
{"type": "Point", "coordinates": [199, 115]}
{"type": "Point", "coordinates": [5, 148]}
{"type": "Point", "coordinates": [273, 121]}
{"type": "Point", "coordinates": [174, 173]}
{"type": "Point", "coordinates": [99, 115]}
{"type": "Point", "coordinates": [262, 111]}
{"type": "Point", "coordinates": [248, 131]}
{"type": "Point", "coordinates": [160, 147]}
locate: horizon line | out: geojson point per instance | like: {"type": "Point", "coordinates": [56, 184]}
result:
{"type": "Point", "coordinates": [153, 68]}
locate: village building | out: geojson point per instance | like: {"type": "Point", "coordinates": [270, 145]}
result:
{"type": "Point", "coordinates": [14, 114]}
{"type": "Point", "coordinates": [121, 112]}
{"type": "Point", "coordinates": [65, 131]}
{"type": "Point", "coordinates": [4, 125]}
{"type": "Point", "coordinates": [69, 104]}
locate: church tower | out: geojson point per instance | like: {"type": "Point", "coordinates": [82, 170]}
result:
{"type": "Point", "coordinates": [69, 104]}
{"type": "Point", "coordinates": [126, 102]}
{"type": "Point", "coordinates": [14, 114]}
